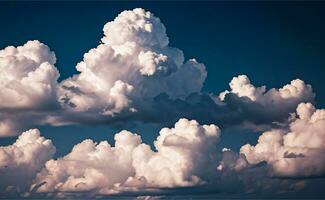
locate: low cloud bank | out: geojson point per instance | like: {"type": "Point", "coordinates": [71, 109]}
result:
{"type": "Point", "coordinates": [184, 156]}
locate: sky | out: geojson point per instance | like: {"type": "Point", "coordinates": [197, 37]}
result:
{"type": "Point", "coordinates": [135, 79]}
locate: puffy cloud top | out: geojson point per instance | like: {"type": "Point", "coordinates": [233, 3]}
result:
{"type": "Point", "coordinates": [27, 76]}
{"type": "Point", "coordinates": [28, 84]}
{"type": "Point", "coordinates": [20, 161]}
{"type": "Point", "coordinates": [242, 87]}
{"type": "Point", "coordinates": [298, 152]}
{"type": "Point", "coordinates": [258, 107]}
{"type": "Point", "coordinates": [184, 156]}
{"type": "Point", "coordinates": [138, 26]}
{"type": "Point", "coordinates": [296, 91]}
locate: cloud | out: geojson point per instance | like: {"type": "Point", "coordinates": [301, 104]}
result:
{"type": "Point", "coordinates": [28, 81]}
{"type": "Point", "coordinates": [20, 161]}
{"type": "Point", "coordinates": [234, 111]}
{"type": "Point", "coordinates": [134, 53]}
{"type": "Point", "coordinates": [256, 105]}
{"type": "Point", "coordinates": [244, 107]}
{"type": "Point", "coordinates": [294, 92]}
{"type": "Point", "coordinates": [232, 160]}
{"type": "Point", "coordinates": [297, 152]}
{"type": "Point", "coordinates": [28, 76]}
{"type": "Point", "coordinates": [184, 156]}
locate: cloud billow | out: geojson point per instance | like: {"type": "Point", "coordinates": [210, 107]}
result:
{"type": "Point", "coordinates": [20, 161]}
{"type": "Point", "coordinates": [182, 157]}
{"type": "Point", "coordinates": [134, 62]}
{"type": "Point", "coordinates": [28, 82]}
{"type": "Point", "coordinates": [297, 152]}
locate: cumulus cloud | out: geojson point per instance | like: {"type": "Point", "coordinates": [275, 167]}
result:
{"type": "Point", "coordinates": [27, 76]}
{"type": "Point", "coordinates": [134, 59]}
{"type": "Point", "coordinates": [296, 91]}
{"type": "Point", "coordinates": [20, 161]}
{"type": "Point", "coordinates": [256, 105]}
{"type": "Point", "coordinates": [184, 156]}
{"type": "Point", "coordinates": [244, 107]}
{"type": "Point", "coordinates": [297, 152]}
{"type": "Point", "coordinates": [28, 81]}
{"type": "Point", "coordinates": [270, 109]}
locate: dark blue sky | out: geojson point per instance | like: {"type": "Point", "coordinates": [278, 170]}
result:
{"type": "Point", "coordinates": [271, 42]}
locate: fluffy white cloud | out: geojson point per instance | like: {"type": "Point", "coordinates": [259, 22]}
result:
{"type": "Point", "coordinates": [259, 108]}
{"type": "Point", "coordinates": [28, 81]}
{"type": "Point", "coordinates": [27, 76]}
{"type": "Point", "coordinates": [298, 152]}
{"type": "Point", "coordinates": [20, 161]}
{"type": "Point", "coordinates": [143, 28]}
{"type": "Point", "coordinates": [295, 92]}
{"type": "Point", "coordinates": [134, 53]}
{"type": "Point", "coordinates": [152, 63]}
{"type": "Point", "coordinates": [184, 156]}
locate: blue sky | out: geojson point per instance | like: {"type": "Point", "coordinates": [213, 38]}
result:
{"type": "Point", "coordinates": [270, 42]}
